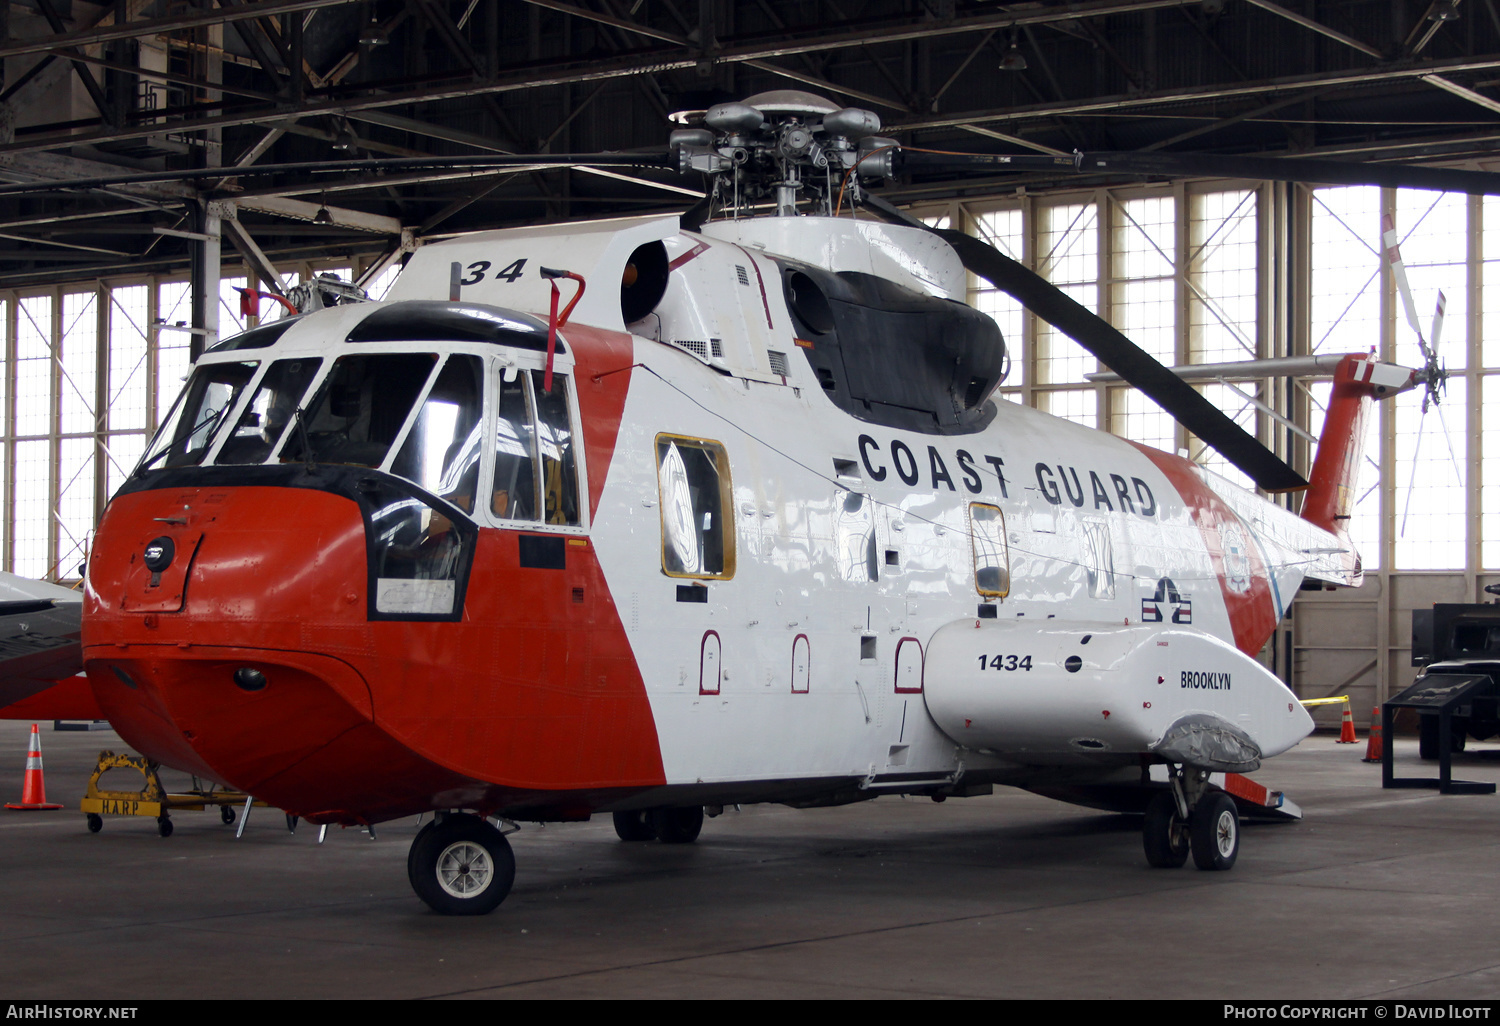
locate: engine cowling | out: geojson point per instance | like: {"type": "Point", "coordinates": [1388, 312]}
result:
{"type": "Point", "coordinates": [1041, 693]}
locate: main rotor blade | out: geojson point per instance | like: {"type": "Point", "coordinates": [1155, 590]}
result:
{"type": "Point", "coordinates": [1211, 165]}
{"type": "Point", "coordinates": [495, 161]}
{"type": "Point", "coordinates": [1139, 368]}
{"type": "Point", "coordinates": [1184, 402]}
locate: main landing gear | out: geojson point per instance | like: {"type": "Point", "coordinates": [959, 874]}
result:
{"type": "Point", "coordinates": [1190, 818]}
{"type": "Point", "coordinates": [668, 825]}
{"type": "Point", "coordinates": [460, 865]}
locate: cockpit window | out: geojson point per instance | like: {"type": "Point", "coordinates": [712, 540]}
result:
{"type": "Point", "coordinates": [360, 409]}
{"type": "Point", "coordinates": [555, 440]}
{"type": "Point", "coordinates": [269, 411]}
{"type": "Point", "coordinates": [442, 449]}
{"type": "Point", "coordinates": [534, 451]}
{"type": "Point", "coordinates": [211, 392]}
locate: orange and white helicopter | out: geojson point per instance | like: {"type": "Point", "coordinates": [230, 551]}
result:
{"type": "Point", "coordinates": [743, 523]}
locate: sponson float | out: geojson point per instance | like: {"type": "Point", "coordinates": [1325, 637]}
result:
{"type": "Point", "coordinates": [746, 524]}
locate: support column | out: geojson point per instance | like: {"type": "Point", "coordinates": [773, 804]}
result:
{"type": "Point", "coordinates": [205, 281]}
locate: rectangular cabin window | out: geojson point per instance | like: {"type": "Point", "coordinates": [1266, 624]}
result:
{"type": "Point", "coordinates": [269, 411]}
{"type": "Point", "coordinates": [442, 448]}
{"type": "Point", "coordinates": [210, 394]}
{"type": "Point", "coordinates": [360, 409]}
{"type": "Point", "coordinates": [991, 555]}
{"type": "Point", "coordinates": [697, 537]}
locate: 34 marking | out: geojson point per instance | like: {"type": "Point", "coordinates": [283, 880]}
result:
{"type": "Point", "coordinates": [510, 272]}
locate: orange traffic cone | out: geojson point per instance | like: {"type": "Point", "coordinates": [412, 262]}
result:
{"type": "Point", "coordinates": [1375, 751]}
{"type": "Point", "coordinates": [1346, 731]}
{"type": "Point", "coordinates": [33, 789]}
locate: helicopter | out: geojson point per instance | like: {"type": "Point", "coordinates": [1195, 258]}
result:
{"type": "Point", "coordinates": [656, 515]}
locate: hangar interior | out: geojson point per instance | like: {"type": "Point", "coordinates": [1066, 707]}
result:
{"type": "Point", "coordinates": [158, 155]}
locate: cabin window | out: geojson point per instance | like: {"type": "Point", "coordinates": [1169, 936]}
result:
{"type": "Point", "coordinates": [854, 534]}
{"type": "Point", "coordinates": [441, 451]}
{"type": "Point", "coordinates": [360, 409]}
{"type": "Point", "coordinates": [535, 454]}
{"type": "Point", "coordinates": [269, 411]}
{"type": "Point", "coordinates": [991, 555]}
{"type": "Point", "coordinates": [1099, 558]}
{"type": "Point", "coordinates": [696, 536]}
{"type": "Point", "coordinates": [211, 392]}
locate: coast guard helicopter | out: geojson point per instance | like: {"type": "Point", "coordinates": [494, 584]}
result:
{"type": "Point", "coordinates": [741, 522]}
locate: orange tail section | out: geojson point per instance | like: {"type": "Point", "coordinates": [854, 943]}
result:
{"type": "Point", "coordinates": [1357, 382]}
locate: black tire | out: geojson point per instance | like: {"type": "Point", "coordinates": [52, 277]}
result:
{"type": "Point", "coordinates": [164, 825]}
{"type": "Point", "coordinates": [461, 866]}
{"type": "Point", "coordinates": [1427, 736]}
{"type": "Point", "coordinates": [226, 814]}
{"type": "Point", "coordinates": [95, 821]}
{"type": "Point", "coordinates": [1164, 834]}
{"type": "Point", "coordinates": [635, 826]}
{"type": "Point", "coordinates": [678, 826]}
{"type": "Point", "coordinates": [1214, 830]}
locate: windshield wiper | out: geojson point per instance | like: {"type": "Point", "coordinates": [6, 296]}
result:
{"type": "Point", "coordinates": [212, 418]}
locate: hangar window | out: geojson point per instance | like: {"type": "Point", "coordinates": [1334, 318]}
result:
{"type": "Point", "coordinates": [697, 538]}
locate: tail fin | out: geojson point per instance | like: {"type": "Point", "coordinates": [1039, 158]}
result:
{"type": "Point", "coordinates": [1357, 382]}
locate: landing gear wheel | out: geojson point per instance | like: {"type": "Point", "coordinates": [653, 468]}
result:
{"type": "Point", "coordinates": [1214, 829]}
{"type": "Point", "coordinates": [635, 826]}
{"type": "Point", "coordinates": [1164, 833]}
{"type": "Point", "coordinates": [226, 814]}
{"type": "Point", "coordinates": [164, 825]}
{"type": "Point", "coordinates": [678, 826]}
{"type": "Point", "coordinates": [461, 866]}
{"type": "Point", "coordinates": [291, 823]}
{"type": "Point", "coordinates": [95, 821]}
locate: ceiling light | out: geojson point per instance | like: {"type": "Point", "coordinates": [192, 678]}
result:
{"type": "Point", "coordinates": [1013, 61]}
{"type": "Point", "coordinates": [1443, 10]}
{"type": "Point", "coordinates": [322, 216]}
{"type": "Point", "coordinates": [344, 139]}
{"type": "Point", "coordinates": [374, 35]}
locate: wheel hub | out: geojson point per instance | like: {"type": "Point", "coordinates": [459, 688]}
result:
{"type": "Point", "coordinates": [464, 869]}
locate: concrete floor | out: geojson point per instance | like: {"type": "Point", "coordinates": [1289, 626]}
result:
{"type": "Point", "coordinates": [1376, 895]}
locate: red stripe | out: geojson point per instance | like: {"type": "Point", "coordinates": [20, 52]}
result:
{"type": "Point", "coordinates": [685, 257]}
{"type": "Point", "coordinates": [1252, 614]}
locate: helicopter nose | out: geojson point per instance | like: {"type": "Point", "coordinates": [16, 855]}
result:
{"type": "Point", "coordinates": [245, 671]}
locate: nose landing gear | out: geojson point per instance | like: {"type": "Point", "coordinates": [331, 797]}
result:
{"type": "Point", "coordinates": [460, 865]}
{"type": "Point", "coordinates": [1191, 819]}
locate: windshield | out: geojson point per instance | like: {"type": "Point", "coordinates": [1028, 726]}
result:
{"type": "Point", "coordinates": [269, 411]}
{"type": "Point", "coordinates": [360, 409]}
{"type": "Point", "coordinates": [210, 393]}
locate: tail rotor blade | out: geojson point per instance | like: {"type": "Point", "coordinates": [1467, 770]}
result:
{"type": "Point", "coordinates": [1458, 474]}
{"type": "Point", "coordinates": [1411, 484]}
{"type": "Point", "coordinates": [1398, 270]}
{"type": "Point", "coordinates": [1437, 320]}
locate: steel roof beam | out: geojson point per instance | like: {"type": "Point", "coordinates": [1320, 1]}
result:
{"type": "Point", "coordinates": [154, 26]}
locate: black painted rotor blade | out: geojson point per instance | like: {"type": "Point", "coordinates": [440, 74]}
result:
{"type": "Point", "coordinates": [1139, 368]}
{"type": "Point", "coordinates": [1209, 165]}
